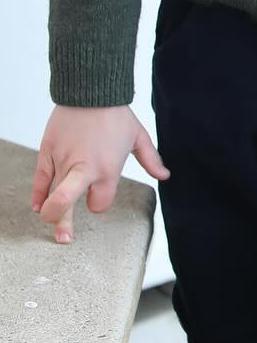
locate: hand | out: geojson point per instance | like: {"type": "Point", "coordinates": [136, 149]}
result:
{"type": "Point", "coordinates": [83, 150]}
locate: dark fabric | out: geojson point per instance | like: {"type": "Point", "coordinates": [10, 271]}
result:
{"type": "Point", "coordinates": [205, 101]}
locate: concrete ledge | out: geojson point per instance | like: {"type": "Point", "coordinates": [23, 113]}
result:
{"type": "Point", "coordinates": [86, 292]}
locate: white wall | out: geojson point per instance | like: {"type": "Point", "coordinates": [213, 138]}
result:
{"type": "Point", "coordinates": [26, 104]}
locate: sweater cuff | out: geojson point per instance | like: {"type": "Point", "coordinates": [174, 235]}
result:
{"type": "Point", "coordinates": [88, 76]}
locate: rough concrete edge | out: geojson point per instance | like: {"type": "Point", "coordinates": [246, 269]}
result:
{"type": "Point", "coordinates": [18, 145]}
{"type": "Point", "coordinates": [134, 307]}
{"type": "Point", "coordinates": [138, 286]}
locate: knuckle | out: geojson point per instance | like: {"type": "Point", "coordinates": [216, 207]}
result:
{"type": "Point", "coordinates": [79, 167]}
{"type": "Point", "coordinates": [61, 198]}
{"type": "Point", "coordinates": [43, 174]}
{"type": "Point", "coordinates": [62, 159]}
{"type": "Point", "coordinates": [44, 163]}
{"type": "Point", "coordinates": [46, 146]}
{"type": "Point", "coordinates": [38, 192]}
{"type": "Point", "coordinates": [145, 137]}
{"type": "Point", "coordinates": [109, 170]}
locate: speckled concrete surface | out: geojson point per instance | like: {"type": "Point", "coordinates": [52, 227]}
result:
{"type": "Point", "coordinates": [84, 292]}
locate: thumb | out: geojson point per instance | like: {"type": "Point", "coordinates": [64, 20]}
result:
{"type": "Point", "coordinates": [149, 158]}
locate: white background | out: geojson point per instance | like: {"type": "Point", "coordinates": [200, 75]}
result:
{"type": "Point", "coordinates": [26, 104]}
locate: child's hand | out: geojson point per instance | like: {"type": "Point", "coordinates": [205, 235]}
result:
{"type": "Point", "coordinates": [84, 150]}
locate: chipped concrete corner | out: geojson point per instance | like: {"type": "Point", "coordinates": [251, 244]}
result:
{"type": "Point", "coordinates": [84, 292]}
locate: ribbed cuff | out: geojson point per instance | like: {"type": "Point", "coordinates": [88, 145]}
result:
{"type": "Point", "coordinates": [90, 76]}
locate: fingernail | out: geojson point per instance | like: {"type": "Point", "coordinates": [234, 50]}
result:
{"type": "Point", "coordinates": [64, 238]}
{"type": "Point", "coordinates": [36, 208]}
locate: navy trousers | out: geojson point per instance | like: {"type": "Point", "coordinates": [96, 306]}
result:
{"type": "Point", "coordinates": [204, 95]}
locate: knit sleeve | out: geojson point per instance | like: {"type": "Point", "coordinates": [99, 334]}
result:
{"type": "Point", "coordinates": [92, 50]}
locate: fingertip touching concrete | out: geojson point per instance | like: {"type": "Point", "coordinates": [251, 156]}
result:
{"type": "Point", "coordinates": [86, 292]}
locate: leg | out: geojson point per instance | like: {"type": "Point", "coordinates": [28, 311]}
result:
{"type": "Point", "coordinates": [205, 102]}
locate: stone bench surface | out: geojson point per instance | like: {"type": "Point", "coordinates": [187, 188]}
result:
{"type": "Point", "coordinates": [84, 292]}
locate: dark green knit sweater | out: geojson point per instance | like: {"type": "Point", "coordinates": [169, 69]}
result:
{"type": "Point", "coordinates": [92, 49]}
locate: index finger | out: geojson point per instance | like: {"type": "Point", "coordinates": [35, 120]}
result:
{"type": "Point", "coordinates": [75, 183]}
